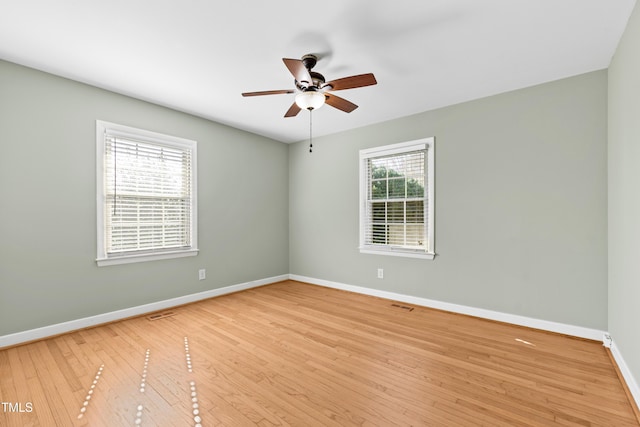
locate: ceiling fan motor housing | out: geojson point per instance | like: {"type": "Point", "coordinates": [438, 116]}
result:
{"type": "Point", "coordinates": [317, 82]}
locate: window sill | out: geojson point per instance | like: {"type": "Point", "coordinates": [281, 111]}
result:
{"type": "Point", "coordinates": [398, 252]}
{"type": "Point", "coordinates": [128, 259]}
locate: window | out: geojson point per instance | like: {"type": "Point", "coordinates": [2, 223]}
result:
{"type": "Point", "coordinates": [396, 199]}
{"type": "Point", "coordinates": [146, 195]}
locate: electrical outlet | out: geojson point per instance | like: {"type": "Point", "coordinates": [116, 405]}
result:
{"type": "Point", "coordinates": [380, 273]}
{"type": "Point", "coordinates": [202, 274]}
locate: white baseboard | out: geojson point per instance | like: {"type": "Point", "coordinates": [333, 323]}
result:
{"type": "Point", "coordinates": [60, 328]}
{"type": "Point", "coordinates": [634, 388]}
{"type": "Point", "coordinates": [577, 331]}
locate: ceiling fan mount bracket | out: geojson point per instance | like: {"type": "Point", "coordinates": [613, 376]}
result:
{"type": "Point", "coordinates": [309, 60]}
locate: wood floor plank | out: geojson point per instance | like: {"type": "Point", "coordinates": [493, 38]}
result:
{"type": "Point", "coordinates": [293, 354]}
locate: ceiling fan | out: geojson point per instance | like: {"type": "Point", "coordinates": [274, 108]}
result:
{"type": "Point", "coordinates": [314, 90]}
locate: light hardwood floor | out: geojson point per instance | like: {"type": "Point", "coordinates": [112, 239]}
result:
{"type": "Point", "coordinates": [303, 355]}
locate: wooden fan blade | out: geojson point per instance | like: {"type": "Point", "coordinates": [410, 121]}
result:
{"type": "Point", "coordinates": [352, 82]}
{"type": "Point", "coordinates": [267, 92]}
{"type": "Point", "coordinates": [293, 110]}
{"type": "Point", "coordinates": [340, 103]}
{"type": "Point", "coordinates": [299, 71]}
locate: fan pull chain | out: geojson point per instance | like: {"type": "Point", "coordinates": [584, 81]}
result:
{"type": "Point", "coordinates": [310, 131]}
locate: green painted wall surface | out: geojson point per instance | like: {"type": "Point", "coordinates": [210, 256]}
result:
{"type": "Point", "coordinates": [624, 195]}
{"type": "Point", "coordinates": [521, 204]}
{"type": "Point", "coordinates": [48, 272]}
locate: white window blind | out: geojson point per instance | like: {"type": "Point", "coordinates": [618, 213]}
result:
{"type": "Point", "coordinates": [148, 194]}
{"type": "Point", "coordinates": [396, 207]}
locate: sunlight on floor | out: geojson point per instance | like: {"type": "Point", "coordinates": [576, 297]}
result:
{"type": "Point", "coordinates": [525, 342]}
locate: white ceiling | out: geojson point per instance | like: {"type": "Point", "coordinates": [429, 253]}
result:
{"type": "Point", "coordinates": [198, 56]}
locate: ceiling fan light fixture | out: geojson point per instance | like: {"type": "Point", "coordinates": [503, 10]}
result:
{"type": "Point", "coordinates": [310, 100]}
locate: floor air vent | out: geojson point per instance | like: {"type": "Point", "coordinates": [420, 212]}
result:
{"type": "Point", "coordinates": [157, 316]}
{"type": "Point", "coordinates": [404, 307]}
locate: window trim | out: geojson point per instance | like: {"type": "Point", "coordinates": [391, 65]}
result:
{"type": "Point", "coordinates": [399, 148]}
{"type": "Point", "coordinates": [103, 258]}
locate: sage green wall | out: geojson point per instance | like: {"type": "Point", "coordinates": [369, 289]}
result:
{"type": "Point", "coordinates": [520, 213]}
{"type": "Point", "coordinates": [48, 272]}
{"type": "Point", "coordinates": [521, 204]}
{"type": "Point", "coordinates": [624, 195]}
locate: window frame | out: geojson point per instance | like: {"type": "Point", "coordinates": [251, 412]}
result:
{"type": "Point", "coordinates": [104, 258]}
{"type": "Point", "coordinates": [427, 144]}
